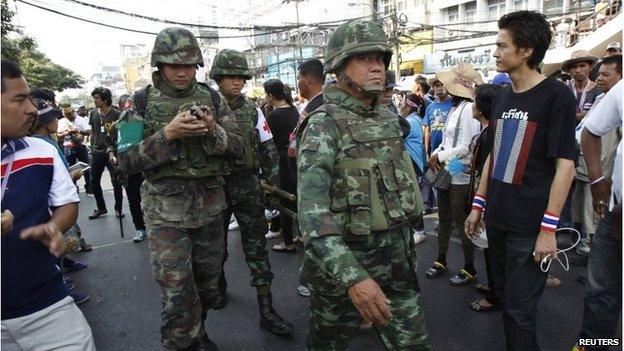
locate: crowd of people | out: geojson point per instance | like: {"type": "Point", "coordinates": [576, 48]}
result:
{"type": "Point", "coordinates": [350, 174]}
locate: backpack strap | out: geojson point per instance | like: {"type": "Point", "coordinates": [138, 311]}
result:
{"type": "Point", "coordinates": [216, 97]}
{"type": "Point", "coordinates": [140, 100]}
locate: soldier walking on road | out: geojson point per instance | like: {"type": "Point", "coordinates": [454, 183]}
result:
{"type": "Point", "coordinates": [182, 135]}
{"type": "Point", "coordinates": [230, 71]}
{"type": "Point", "coordinates": [358, 194]}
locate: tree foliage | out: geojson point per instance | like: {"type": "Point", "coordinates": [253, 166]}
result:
{"type": "Point", "coordinates": [38, 69]}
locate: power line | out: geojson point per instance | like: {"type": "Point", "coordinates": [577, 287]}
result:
{"type": "Point", "coordinates": [261, 33]}
{"type": "Point", "coordinates": [155, 19]}
{"type": "Point", "coordinates": [141, 31]}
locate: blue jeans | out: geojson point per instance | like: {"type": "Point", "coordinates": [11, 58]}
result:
{"type": "Point", "coordinates": [603, 296]}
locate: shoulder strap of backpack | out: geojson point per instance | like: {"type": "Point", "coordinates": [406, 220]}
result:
{"type": "Point", "coordinates": [140, 100]}
{"type": "Point", "coordinates": [216, 98]}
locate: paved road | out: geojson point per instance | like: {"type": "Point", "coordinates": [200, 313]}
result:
{"type": "Point", "coordinates": [124, 310]}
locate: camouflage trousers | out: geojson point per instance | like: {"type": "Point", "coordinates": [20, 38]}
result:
{"type": "Point", "coordinates": [186, 264]}
{"type": "Point", "coordinates": [334, 321]}
{"type": "Point", "coordinates": [253, 228]}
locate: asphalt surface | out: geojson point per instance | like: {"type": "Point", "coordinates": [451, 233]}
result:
{"type": "Point", "coordinates": [124, 309]}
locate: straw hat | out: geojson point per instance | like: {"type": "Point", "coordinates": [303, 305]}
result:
{"type": "Point", "coordinates": [432, 80]}
{"type": "Point", "coordinates": [578, 56]}
{"type": "Point", "coordinates": [461, 80]}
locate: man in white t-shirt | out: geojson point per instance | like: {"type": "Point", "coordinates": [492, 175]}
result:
{"type": "Point", "coordinates": [603, 299]}
{"type": "Point", "coordinates": [73, 129]}
{"type": "Point", "coordinates": [37, 311]}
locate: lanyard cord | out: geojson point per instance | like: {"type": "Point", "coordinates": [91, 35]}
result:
{"type": "Point", "coordinates": [566, 266]}
{"type": "Point", "coordinates": [579, 107]}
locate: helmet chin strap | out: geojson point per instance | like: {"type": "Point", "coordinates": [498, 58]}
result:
{"type": "Point", "coordinates": [369, 91]}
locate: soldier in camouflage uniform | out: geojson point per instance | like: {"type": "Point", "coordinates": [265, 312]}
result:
{"type": "Point", "coordinates": [230, 71]}
{"type": "Point", "coordinates": [357, 195]}
{"type": "Point", "coordinates": [183, 151]}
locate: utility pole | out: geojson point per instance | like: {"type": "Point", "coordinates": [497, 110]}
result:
{"type": "Point", "coordinates": [373, 6]}
{"type": "Point", "coordinates": [395, 38]}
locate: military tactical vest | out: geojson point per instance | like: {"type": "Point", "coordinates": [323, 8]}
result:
{"type": "Point", "coordinates": [376, 184]}
{"type": "Point", "coordinates": [247, 119]}
{"type": "Point", "coordinates": [190, 158]}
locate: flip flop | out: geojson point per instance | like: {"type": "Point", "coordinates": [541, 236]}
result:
{"type": "Point", "coordinates": [478, 307]}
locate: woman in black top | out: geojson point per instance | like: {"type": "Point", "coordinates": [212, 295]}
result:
{"type": "Point", "coordinates": [282, 121]}
{"type": "Point", "coordinates": [480, 148]}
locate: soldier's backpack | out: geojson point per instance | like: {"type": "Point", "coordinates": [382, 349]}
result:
{"type": "Point", "coordinates": [140, 98]}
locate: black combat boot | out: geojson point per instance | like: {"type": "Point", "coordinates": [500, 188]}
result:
{"type": "Point", "coordinates": [269, 319]}
{"type": "Point", "coordinates": [204, 345]}
{"type": "Point", "coordinates": [207, 345]}
{"type": "Point", "coordinates": [220, 300]}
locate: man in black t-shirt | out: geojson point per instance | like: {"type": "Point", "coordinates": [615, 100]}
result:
{"type": "Point", "coordinates": [101, 120]}
{"type": "Point", "coordinates": [530, 168]}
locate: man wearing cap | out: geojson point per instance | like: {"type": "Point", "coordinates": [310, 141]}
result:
{"type": "Point", "coordinates": [37, 311]}
{"type": "Point", "coordinates": [73, 129]}
{"type": "Point", "coordinates": [584, 90]}
{"type": "Point", "coordinates": [357, 197]}
{"type": "Point", "coordinates": [614, 48]}
{"type": "Point", "coordinates": [433, 123]}
{"type": "Point", "coordinates": [388, 93]}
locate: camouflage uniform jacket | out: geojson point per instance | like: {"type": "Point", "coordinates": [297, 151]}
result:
{"type": "Point", "coordinates": [243, 182]}
{"type": "Point", "coordinates": [192, 198]}
{"type": "Point", "coordinates": [356, 185]}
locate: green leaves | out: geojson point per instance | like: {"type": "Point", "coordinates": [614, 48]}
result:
{"type": "Point", "coordinates": [38, 69]}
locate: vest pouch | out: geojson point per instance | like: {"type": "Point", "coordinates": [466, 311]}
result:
{"type": "Point", "coordinates": [390, 195]}
{"type": "Point", "coordinates": [338, 195]}
{"type": "Point", "coordinates": [409, 192]}
{"type": "Point", "coordinates": [358, 199]}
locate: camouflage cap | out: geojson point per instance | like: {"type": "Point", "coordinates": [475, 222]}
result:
{"type": "Point", "coordinates": [176, 45]}
{"type": "Point", "coordinates": [355, 37]}
{"type": "Point", "coordinates": [230, 63]}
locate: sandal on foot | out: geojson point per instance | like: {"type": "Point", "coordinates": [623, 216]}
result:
{"type": "Point", "coordinates": [463, 278]}
{"type": "Point", "coordinates": [477, 306]}
{"type": "Point", "coordinates": [282, 247]}
{"type": "Point", "coordinates": [482, 288]}
{"type": "Point", "coordinates": [436, 270]}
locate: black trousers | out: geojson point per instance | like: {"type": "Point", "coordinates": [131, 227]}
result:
{"type": "Point", "coordinates": [288, 182]}
{"type": "Point", "coordinates": [79, 153]}
{"type": "Point", "coordinates": [133, 191]}
{"type": "Point", "coordinates": [99, 160]}
{"type": "Point", "coordinates": [518, 283]}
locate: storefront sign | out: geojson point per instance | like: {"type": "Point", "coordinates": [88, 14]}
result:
{"type": "Point", "coordinates": [444, 60]}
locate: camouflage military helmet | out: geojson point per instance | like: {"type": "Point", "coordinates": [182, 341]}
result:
{"type": "Point", "coordinates": [176, 45]}
{"type": "Point", "coordinates": [230, 63]}
{"type": "Point", "coordinates": [355, 37]}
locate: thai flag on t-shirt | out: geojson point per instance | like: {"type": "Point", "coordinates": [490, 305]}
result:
{"type": "Point", "coordinates": [512, 145]}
